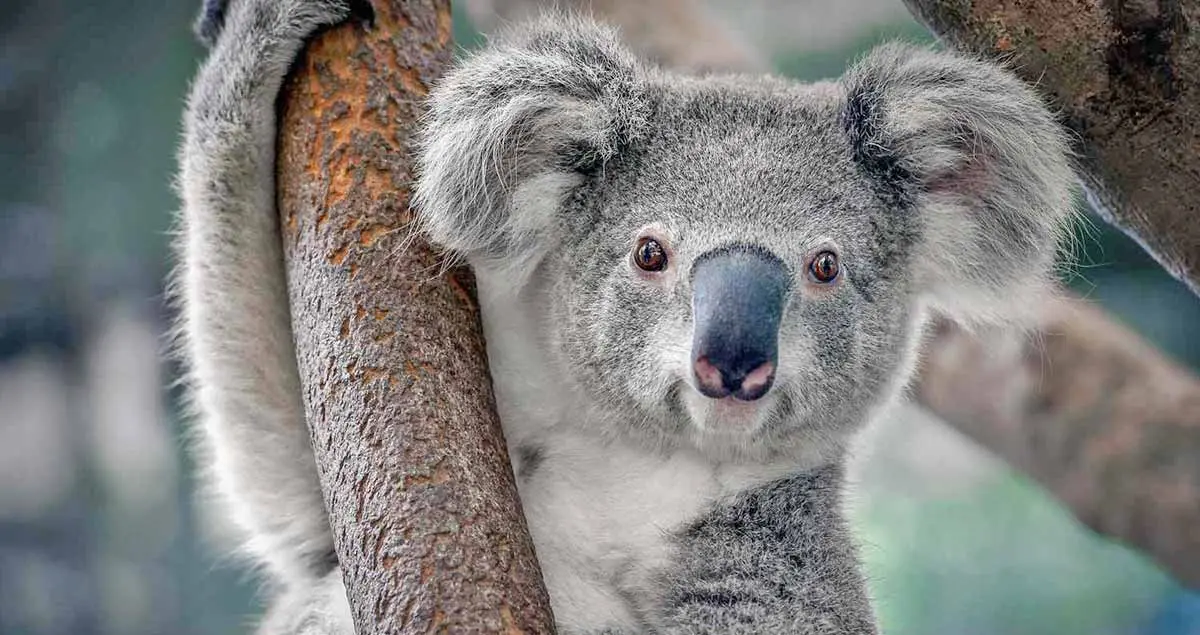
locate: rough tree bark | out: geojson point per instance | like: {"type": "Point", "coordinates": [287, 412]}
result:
{"type": "Point", "coordinates": [412, 462]}
{"type": "Point", "coordinates": [1086, 407]}
{"type": "Point", "coordinates": [1126, 74]}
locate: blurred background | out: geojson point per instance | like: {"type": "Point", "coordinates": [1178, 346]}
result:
{"type": "Point", "coordinates": [98, 531]}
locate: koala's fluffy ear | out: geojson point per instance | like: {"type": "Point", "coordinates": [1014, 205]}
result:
{"type": "Point", "coordinates": [975, 157]}
{"type": "Point", "coordinates": [514, 129]}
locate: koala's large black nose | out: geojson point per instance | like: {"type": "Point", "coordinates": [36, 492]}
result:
{"type": "Point", "coordinates": [738, 295]}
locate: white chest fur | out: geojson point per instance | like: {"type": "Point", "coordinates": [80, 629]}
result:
{"type": "Point", "coordinates": [601, 511]}
{"type": "Point", "coordinates": [602, 517]}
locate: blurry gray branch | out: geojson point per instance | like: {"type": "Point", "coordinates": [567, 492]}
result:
{"type": "Point", "coordinates": [1109, 425]}
{"type": "Point", "coordinates": [677, 33]}
{"type": "Point", "coordinates": [1092, 412]}
{"type": "Point", "coordinates": [1084, 406]}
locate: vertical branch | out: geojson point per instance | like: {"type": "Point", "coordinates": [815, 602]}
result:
{"type": "Point", "coordinates": [421, 498]}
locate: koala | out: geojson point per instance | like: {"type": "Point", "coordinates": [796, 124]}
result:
{"type": "Point", "coordinates": [695, 291]}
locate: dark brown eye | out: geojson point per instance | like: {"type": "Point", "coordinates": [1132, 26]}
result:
{"type": "Point", "coordinates": [824, 268]}
{"type": "Point", "coordinates": [649, 255]}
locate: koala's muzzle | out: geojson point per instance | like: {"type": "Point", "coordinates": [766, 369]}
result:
{"type": "Point", "coordinates": [738, 295]}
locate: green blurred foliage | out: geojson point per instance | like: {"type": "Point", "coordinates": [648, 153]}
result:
{"type": "Point", "coordinates": [814, 65]}
{"type": "Point", "coordinates": [1000, 558]}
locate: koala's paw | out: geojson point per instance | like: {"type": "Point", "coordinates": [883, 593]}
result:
{"type": "Point", "coordinates": [304, 17]}
{"type": "Point", "coordinates": [290, 18]}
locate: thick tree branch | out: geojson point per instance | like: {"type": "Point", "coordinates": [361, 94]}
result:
{"type": "Point", "coordinates": [1083, 405]}
{"type": "Point", "coordinates": [1126, 74]}
{"type": "Point", "coordinates": [413, 466]}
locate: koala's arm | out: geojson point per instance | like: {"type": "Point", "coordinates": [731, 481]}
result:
{"type": "Point", "coordinates": [235, 325]}
{"type": "Point", "coordinates": [777, 559]}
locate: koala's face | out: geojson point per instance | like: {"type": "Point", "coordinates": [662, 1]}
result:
{"type": "Point", "coordinates": [742, 264]}
{"type": "Point", "coordinates": [721, 278]}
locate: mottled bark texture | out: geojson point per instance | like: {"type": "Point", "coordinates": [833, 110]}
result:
{"type": "Point", "coordinates": [1086, 407]}
{"type": "Point", "coordinates": [413, 465]}
{"type": "Point", "coordinates": [1103, 421]}
{"type": "Point", "coordinates": [1126, 74]}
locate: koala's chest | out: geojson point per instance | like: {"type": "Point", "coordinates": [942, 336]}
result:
{"type": "Point", "coordinates": [605, 519]}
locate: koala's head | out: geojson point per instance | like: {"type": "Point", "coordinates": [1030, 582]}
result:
{"type": "Point", "coordinates": [742, 263]}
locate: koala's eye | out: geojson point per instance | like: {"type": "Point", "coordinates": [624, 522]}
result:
{"type": "Point", "coordinates": [649, 255]}
{"type": "Point", "coordinates": [824, 267]}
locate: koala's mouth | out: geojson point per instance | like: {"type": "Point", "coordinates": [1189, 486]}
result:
{"type": "Point", "coordinates": [727, 415]}
{"type": "Point", "coordinates": [735, 411]}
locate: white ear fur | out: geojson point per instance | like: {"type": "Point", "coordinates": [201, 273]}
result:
{"type": "Point", "coordinates": [976, 154]}
{"type": "Point", "coordinates": [513, 130]}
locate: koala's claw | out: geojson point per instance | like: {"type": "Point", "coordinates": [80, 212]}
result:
{"type": "Point", "coordinates": [363, 11]}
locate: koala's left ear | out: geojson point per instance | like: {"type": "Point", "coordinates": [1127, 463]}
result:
{"type": "Point", "coordinates": [975, 157]}
{"type": "Point", "coordinates": [514, 130]}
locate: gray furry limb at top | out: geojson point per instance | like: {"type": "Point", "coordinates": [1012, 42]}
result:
{"type": "Point", "coordinates": [235, 330]}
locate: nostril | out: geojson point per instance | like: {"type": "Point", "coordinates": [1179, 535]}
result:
{"type": "Point", "coordinates": [757, 382]}
{"type": "Point", "coordinates": [709, 379]}
{"type": "Point", "coordinates": [721, 380]}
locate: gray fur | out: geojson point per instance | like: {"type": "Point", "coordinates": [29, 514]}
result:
{"type": "Point", "coordinates": [776, 559]}
{"type": "Point", "coordinates": [316, 607]}
{"type": "Point", "coordinates": [235, 329]}
{"type": "Point", "coordinates": [941, 181]}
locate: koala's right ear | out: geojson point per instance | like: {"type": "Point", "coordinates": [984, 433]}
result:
{"type": "Point", "coordinates": [970, 158]}
{"type": "Point", "coordinates": [514, 129]}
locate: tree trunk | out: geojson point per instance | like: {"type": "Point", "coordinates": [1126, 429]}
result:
{"type": "Point", "coordinates": [1126, 74]}
{"type": "Point", "coordinates": [1087, 408]}
{"type": "Point", "coordinates": [420, 492]}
